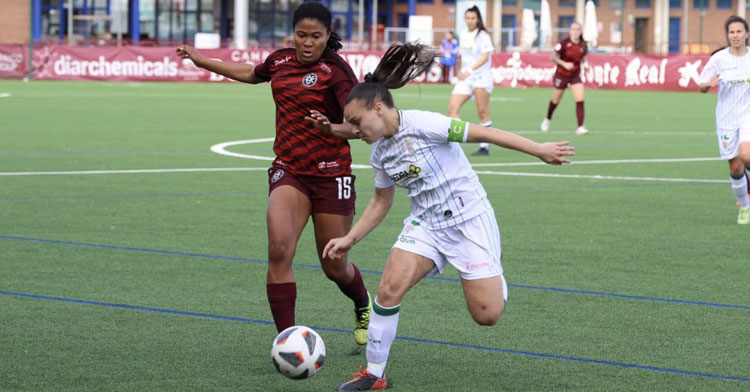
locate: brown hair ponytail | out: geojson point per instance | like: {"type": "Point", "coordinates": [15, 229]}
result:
{"type": "Point", "coordinates": [400, 64]}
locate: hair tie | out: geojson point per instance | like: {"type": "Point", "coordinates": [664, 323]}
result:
{"type": "Point", "coordinates": [370, 78]}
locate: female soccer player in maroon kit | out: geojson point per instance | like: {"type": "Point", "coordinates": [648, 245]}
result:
{"type": "Point", "coordinates": [568, 55]}
{"type": "Point", "coordinates": [311, 175]}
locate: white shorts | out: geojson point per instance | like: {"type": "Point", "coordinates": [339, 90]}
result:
{"type": "Point", "coordinates": [474, 81]}
{"type": "Point", "coordinates": [472, 247]}
{"type": "Point", "coordinates": [730, 140]}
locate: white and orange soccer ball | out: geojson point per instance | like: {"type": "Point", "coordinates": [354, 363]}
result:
{"type": "Point", "coordinates": [298, 352]}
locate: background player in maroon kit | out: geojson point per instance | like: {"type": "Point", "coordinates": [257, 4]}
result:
{"type": "Point", "coordinates": [568, 55]}
{"type": "Point", "coordinates": [311, 175]}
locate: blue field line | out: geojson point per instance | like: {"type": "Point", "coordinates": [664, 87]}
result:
{"type": "Point", "coordinates": [372, 272]}
{"type": "Point", "coordinates": [402, 338]}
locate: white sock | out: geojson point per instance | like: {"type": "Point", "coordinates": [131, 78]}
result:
{"type": "Point", "coordinates": [485, 145]}
{"type": "Point", "coordinates": [380, 336]}
{"type": "Point", "coordinates": [739, 187]}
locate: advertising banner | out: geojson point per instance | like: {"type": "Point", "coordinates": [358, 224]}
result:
{"type": "Point", "coordinates": [511, 69]}
{"type": "Point", "coordinates": [14, 61]}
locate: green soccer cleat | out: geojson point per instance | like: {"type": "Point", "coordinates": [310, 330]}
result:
{"type": "Point", "coordinates": [365, 381]}
{"type": "Point", "coordinates": [362, 321]}
{"type": "Point", "coordinates": [743, 218]}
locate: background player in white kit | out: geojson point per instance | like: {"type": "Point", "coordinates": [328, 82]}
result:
{"type": "Point", "coordinates": [475, 74]}
{"type": "Point", "coordinates": [451, 220]}
{"type": "Point", "coordinates": [729, 68]}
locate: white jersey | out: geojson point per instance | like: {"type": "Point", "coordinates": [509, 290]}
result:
{"type": "Point", "coordinates": [471, 46]}
{"type": "Point", "coordinates": [443, 188]}
{"type": "Point", "coordinates": [733, 102]}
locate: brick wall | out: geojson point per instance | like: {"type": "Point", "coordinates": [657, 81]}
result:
{"type": "Point", "coordinates": [14, 21]}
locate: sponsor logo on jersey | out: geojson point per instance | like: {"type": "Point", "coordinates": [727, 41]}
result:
{"type": "Point", "coordinates": [413, 172]}
{"type": "Point", "coordinates": [282, 61]}
{"type": "Point", "coordinates": [327, 165]}
{"type": "Point", "coordinates": [325, 68]}
{"type": "Point", "coordinates": [310, 79]}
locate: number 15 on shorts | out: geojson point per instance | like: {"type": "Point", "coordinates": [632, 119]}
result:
{"type": "Point", "coordinates": [345, 187]}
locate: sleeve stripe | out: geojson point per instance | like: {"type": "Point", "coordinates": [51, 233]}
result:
{"type": "Point", "coordinates": [459, 131]}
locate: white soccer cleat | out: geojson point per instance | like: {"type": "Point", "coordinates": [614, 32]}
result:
{"type": "Point", "coordinates": [545, 125]}
{"type": "Point", "coordinates": [743, 218]}
{"type": "Point", "coordinates": [582, 131]}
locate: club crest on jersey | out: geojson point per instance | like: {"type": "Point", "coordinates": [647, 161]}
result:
{"type": "Point", "coordinates": [410, 227]}
{"type": "Point", "coordinates": [277, 176]}
{"type": "Point", "coordinates": [310, 79]}
{"type": "Point", "coordinates": [409, 145]}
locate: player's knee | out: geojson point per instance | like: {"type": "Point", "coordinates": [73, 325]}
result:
{"type": "Point", "coordinates": [280, 250]}
{"type": "Point", "coordinates": [389, 294]}
{"type": "Point", "coordinates": [453, 110]}
{"type": "Point", "coordinates": [736, 168]}
{"type": "Point", "coordinates": [335, 271]}
{"type": "Point", "coordinates": [487, 317]}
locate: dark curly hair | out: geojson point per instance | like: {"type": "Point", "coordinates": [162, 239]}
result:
{"type": "Point", "coordinates": [316, 10]}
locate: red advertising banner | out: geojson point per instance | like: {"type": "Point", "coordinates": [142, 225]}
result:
{"type": "Point", "coordinates": [512, 69]}
{"type": "Point", "coordinates": [14, 61]}
{"type": "Point", "coordinates": [614, 71]}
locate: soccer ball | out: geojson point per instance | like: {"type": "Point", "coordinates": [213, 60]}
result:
{"type": "Point", "coordinates": [298, 352]}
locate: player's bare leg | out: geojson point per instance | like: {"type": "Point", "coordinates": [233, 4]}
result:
{"type": "Point", "coordinates": [344, 273]}
{"type": "Point", "coordinates": [485, 299]}
{"type": "Point", "coordinates": [288, 212]}
{"type": "Point", "coordinates": [455, 103]}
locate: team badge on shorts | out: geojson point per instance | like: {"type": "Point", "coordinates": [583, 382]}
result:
{"type": "Point", "coordinates": [310, 79]}
{"type": "Point", "coordinates": [277, 176]}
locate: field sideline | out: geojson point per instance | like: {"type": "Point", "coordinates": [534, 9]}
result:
{"type": "Point", "coordinates": [133, 254]}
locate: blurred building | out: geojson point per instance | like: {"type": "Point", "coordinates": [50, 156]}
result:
{"type": "Point", "coordinates": [649, 26]}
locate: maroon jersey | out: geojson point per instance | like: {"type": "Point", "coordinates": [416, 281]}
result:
{"type": "Point", "coordinates": [301, 148]}
{"type": "Point", "coordinates": [571, 52]}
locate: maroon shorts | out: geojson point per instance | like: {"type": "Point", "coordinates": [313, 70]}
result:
{"type": "Point", "coordinates": [562, 81]}
{"type": "Point", "coordinates": [330, 195]}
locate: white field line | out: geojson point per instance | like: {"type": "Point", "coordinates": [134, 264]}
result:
{"type": "Point", "coordinates": [4, 95]}
{"type": "Point", "coordinates": [518, 174]}
{"type": "Point", "coordinates": [622, 132]}
{"type": "Point", "coordinates": [600, 177]}
{"type": "Point", "coordinates": [135, 171]}
{"type": "Point", "coordinates": [600, 162]}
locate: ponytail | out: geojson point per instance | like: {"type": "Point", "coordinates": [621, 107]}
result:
{"type": "Point", "coordinates": [334, 42]}
{"type": "Point", "coordinates": [400, 64]}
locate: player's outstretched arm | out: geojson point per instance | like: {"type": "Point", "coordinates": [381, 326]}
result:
{"type": "Point", "coordinates": [376, 210]}
{"type": "Point", "coordinates": [321, 122]}
{"type": "Point", "coordinates": [554, 153]}
{"type": "Point", "coordinates": [240, 72]}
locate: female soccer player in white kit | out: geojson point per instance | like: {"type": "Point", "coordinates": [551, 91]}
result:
{"type": "Point", "coordinates": [451, 220]}
{"type": "Point", "coordinates": [729, 68]}
{"type": "Point", "coordinates": [475, 75]}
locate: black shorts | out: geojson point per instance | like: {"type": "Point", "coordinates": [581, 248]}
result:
{"type": "Point", "coordinates": [331, 195]}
